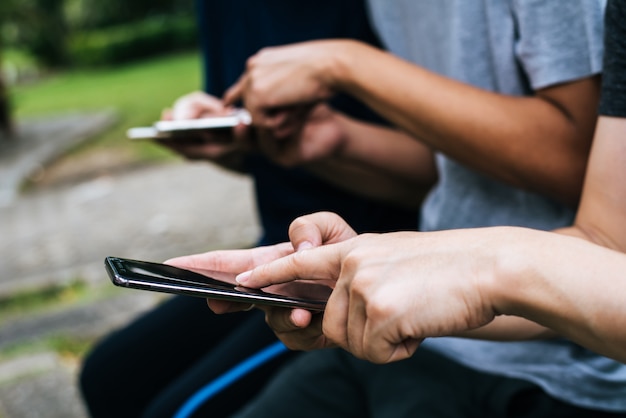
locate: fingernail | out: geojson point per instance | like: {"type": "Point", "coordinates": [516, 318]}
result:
{"type": "Point", "coordinates": [242, 278]}
{"type": "Point", "coordinates": [304, 246]}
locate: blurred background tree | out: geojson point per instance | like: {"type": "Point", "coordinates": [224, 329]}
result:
{"type": "Point", "coordinates": [59, 34]}
{"type": "Point", "coordinates": [38, 37]}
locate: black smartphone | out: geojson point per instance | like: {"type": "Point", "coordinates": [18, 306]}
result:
{"type": "Point", "coordinates": [213, 285]}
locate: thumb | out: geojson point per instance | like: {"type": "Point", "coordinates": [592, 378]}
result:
{"type": "Point", "coordinates": [235, 92]}
{"type": "Point", "coordinates": [317, 229]}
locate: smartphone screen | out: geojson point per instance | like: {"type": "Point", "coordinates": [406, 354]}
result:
{"type": "Point", "coordinates": [212, 284]}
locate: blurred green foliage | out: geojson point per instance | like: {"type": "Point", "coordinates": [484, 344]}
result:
{"type": "Point", "coordinates": [138, 91]}
{"type": "Point", "coordinates": [46, 28]}
{"type": "Point", "coordinates": [94, 14]}
{"type": "Point", "coordinates": [131, 41]}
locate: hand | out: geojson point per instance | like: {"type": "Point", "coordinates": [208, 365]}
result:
{"type": "Point", "coordinates": [302, 135]}
{"type": "Point", "coordinates": [300, 329]}
{"type": "Point", "coordinates": [231, 261]}
{"type": "Point", "coordinates": [213, 145]}
{"type": "Point", "coordinates": [393, 290]}
{"type": "Point", "coordinates": [279, 77]}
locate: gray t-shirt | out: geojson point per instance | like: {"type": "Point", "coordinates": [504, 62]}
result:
{"type": "Point", "coordinates": [511, 47]}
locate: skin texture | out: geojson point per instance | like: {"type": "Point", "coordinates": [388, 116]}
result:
{"type": "Point", "coordinates": [314, 137]}
{"type": "Point", "coordinates": [551, 129]}
{"type": "Point", "coordinates": [225, 147]}
{"type": "Point", "coordinates": [393, 290]}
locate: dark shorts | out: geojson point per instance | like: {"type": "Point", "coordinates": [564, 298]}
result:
{"type": "Point", "coordinates": [332, 383]}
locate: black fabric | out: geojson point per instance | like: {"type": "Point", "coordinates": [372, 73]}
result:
{"type": "Point", "coordinates": [232, 31]}
{"type": "Point", "coordinates": [151, 367]}
{"type": "Point", "coordinates": [167, 354]}
{"type": "Point", "coordinates": [337, 385]}
{"type": "Point", "coordinates": [613, 100]}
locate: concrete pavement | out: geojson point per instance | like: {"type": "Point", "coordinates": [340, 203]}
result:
{"type": "Point", "coordinates": [61, 234]}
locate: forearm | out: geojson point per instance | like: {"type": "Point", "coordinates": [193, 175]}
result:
{"type": "Point", "coordinates": [575, 284]}
{"type": "Point", "coordinates": [380, 163]}
{"type": "Point", "coordinates": [570, 285]}
{"type": "Point", "coordinates": [529, 142]}
{"type": "Point", "coordinates": [363, 181]}
{"type": "Point", "coordinates": [510, 328]}
{"type": "Point", "coordinates": [602, 209]}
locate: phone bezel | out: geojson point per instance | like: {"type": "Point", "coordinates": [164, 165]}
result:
{"type": "Point", "coordinates": [209, 284]}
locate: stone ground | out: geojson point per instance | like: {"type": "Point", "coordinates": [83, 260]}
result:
{"type": "Point", "coordinates": [63, 230]}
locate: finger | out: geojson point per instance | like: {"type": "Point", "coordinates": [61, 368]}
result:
{"type": "Point", "coordinates": [275, 119]}
{"type": "Point", "coordinates": [235, 92]}
{"type": "Point", "coordinates": [321, 263]}
{"type": "Point", "coordinates": [405, 349]}
{"type": "Point", "coordinates": [309, 338]}
{"type": "Point", "coordinates": [234, 261]}
{"type": "Point", "coordinates": [241, 133]}
{"type": "Point", "coordinates": [335, 321]}
{"type": "Point", "coordinates": [195, 105]}
{"type": "Point", "coordinates": [295, 327]}
{"type": "Point", "coordinates": [318, 228]}
{"type": "Point", "coordinates": [384, 342]}
{"type": "Point", "coordinates": [356, 323]}
{"type": "Point", "coordinates": [166, 114]}
{"type": "Point", "coordinates": [287, 320]}
{"type": "Point", "coordinates": [225, 306]}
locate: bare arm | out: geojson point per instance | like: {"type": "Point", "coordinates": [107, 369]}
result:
{"type": "Point", "coordinates": [572, 286]}
{"type": "Point", "coordinates": [375, 161]}
{"type": "Point", "coordinates": [601, 216]}
{"type": "Point", "coordinates": [378, 162]}
{"type": "Point", "coordinates": [600, 220]}
{"type": "Point", "coordinates": [449, 282]}
{"type": "Point", "coordinates": [538, 143]}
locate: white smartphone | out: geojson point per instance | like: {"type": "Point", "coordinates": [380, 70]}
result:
{"type": "Point", "coordinates": [172, 128]}
{"type": "Point", "coordinates": [145, 132]}
{"type": "Point", "coordinates": [213, 285]}
{"type": "Point", "coordinates": [213, 122]}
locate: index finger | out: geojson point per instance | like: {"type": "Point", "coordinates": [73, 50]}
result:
{"type": "Point", "coordinates": [232, 261]}
{"type": "Point", "coordinates": [234, 92]}
{"type": "Point", "coordinates": [196, 105]}
{"type": "Point", "coordinates": [321, 263]}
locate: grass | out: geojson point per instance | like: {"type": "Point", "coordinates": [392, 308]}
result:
{"type": "Point", "coordinates": [40, 301]}
{"type": "Point", "coordinates": [68, 347]}
{"type": "Point", "coordinates": [138, 92]}
{"type": "Point", "coordinates": [37, 301]}
{"type": "Point", "coordinates": [29, 301]}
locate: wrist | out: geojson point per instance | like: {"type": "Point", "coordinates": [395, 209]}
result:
{"type": "Point", "coordinates": [515, 270]}
{"type": "Point", "coordinates": [341, 67]}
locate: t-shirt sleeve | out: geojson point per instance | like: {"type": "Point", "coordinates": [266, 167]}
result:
{"type": "Point", "coordinates": [613, 98]}
{"type": "Point", "coordinates": [558, 41]}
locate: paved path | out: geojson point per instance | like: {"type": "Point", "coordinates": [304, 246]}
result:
{"type": "Point", "coordinates": [61, 234]}
{"type": "Point", "coordinates": [152, 213]}
{"type": "Point", "coordinates": [40, 140]}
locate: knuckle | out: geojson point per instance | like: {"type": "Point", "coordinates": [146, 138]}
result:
{"type": "Point", "coordinates": [299, 224]}
{"type": "Point", "coordinates": [297, 259]}
{"type": "Point", "coordinates": [379, 308]}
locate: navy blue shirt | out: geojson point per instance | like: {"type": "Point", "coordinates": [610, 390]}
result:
{"type": "Point", "coordinates": [233, 30]}
{"type": "Point", "coordinates": [613, 102]}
